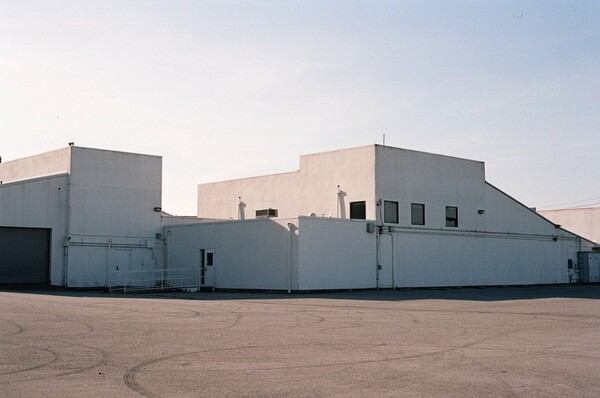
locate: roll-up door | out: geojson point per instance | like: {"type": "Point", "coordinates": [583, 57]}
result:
{"type": "Point", "coordinates": [24, 255]}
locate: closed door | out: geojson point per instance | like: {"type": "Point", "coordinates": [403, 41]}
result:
{"type": "Point", "coordinates": [122, 264]}
{"type": "Point", "coordinates": [24, 255]}
{"type": "Point", "coordinates": [385, 257]}
{"type": "Point", "coordinates": [207, 268]}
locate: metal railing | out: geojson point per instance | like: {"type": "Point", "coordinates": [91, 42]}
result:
{"type": "Point", "coordinates": [152, 279]}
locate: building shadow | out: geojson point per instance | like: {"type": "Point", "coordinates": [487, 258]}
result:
{"type": "Point", "coordinates": [507, 293]}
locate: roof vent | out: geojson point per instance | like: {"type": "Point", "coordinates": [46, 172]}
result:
{"type": "Point", "coordinates": [266, 213]}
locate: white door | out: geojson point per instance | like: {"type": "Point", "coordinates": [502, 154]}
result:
{"type": "Point", "coordinates": [385, 256]}
{"type": "Point", "coordinates": [122, 263]}
{"type": "Point", "coordinates": [207, 268]}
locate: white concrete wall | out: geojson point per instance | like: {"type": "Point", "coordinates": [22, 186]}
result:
{"type": "Point", "coordinates": [92, 257]}
{"type": "Point", "coordinates": [58, 161]}
{"type": "Point", "coordinates": [436, 181]}
{"type": "Point", "coordinates": [175, 220]}
{"type": "Point", "coordinates": [115, 193]}
{"type": "Point", "coordinates": [584, 222]}
{"type": "Point", "coordinates": [221, 200]}
{"type": "Point", "coordinates": [335, 254]}
{"type": "Point", "coordinates": [312, 189]}
{"type": "Point", "coordinates": [320, 174]}
{"type": "Point", "coordinates": [112, 201]}
{"type": "Point", "coordinates": [429, 259]}
{"type": "Point", "coordinates": [332, 253]}
{"type": "Point", "coordinates": [251, 254]}
{"type": "Point", "coordinates": [255, 254]}
{"type": "Point", "coordinates": [505, 214]}
{"type": "Point", "coordinates": [39, 203]}
{"type": "Point", "coordinates": [511, 245]}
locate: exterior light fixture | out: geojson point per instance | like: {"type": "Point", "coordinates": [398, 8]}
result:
{"type": "Point", "coordinates": [480, 211]}
{"type": "Point", "coordinates": [158, 209]}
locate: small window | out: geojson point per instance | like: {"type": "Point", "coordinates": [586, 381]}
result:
{"type": "Point", "coordinates": [266, 213]}
{"type": "Point", "coordinates": [390, 212]}
{"type": "Point", "coordinates": [451, 216]}
{"type": "Point", "coordinates": [358, 210]}
{"type": "Point", "coordinates": [417, 214]}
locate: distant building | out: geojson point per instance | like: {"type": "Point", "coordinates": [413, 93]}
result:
{"type": "Point", "coordinates": [582, 221]}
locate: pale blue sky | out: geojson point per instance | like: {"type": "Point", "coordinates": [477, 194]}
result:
{"type": "Point", "coordinates": [228, 89]}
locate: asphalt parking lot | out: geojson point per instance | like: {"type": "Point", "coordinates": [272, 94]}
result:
{"type": "Point", "coordinates": [505, 342]}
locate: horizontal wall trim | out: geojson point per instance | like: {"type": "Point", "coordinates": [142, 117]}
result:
{"type": "Point", "coordinates": [479, 234]}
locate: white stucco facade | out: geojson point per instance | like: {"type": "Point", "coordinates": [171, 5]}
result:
{"type": "Point", "coordinates": [99, 206]}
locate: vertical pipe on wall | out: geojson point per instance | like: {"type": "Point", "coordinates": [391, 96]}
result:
{"type": "Point", "coordinates": [67, 233]}
{"type": "Point", "coordinates": [393, 262]}
{"type": "Point", "coordinates": [292, 228]}
{"type": "Point", "coordinates": [108, 259]}
{"type": "Point", "coordinates": [377, 240]}
{"type": "Point", "coordinates": [337, 202]}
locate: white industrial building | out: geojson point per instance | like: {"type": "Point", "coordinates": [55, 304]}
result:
{"type": "Point", "coordinates": [70, 216]}
{"type": "Point", "coordinates": [368, 217]}
{"type": "Point", "coordinates": [372, 217]}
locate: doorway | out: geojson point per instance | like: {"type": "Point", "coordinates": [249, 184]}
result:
{"type": "Point", "coordinates": [207, 268]}
{"type": "Point", "coordinates": [24, 255]}
{"type": "Point", "coordinates": [385, 261]}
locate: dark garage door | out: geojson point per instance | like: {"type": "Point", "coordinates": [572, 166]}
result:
{"type": "Point", "coordinates": [24, 255]}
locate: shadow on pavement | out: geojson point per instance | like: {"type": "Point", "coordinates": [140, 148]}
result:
{"type": "Point", "coordinates": [527, 292]}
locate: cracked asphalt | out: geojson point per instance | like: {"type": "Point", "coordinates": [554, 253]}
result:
{"type": "Point", "coordinates": [536, 341]}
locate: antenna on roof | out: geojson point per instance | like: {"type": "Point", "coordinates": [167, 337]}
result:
{"type": "Point", "coordinates": [383, 139]}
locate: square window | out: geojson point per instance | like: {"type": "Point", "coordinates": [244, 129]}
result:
{"type": "Point", "coordinates": [417, 214]}
{"type": "Point", "coordinates": [451, 216]}
{"type": "Point", "coordinates": [358, 210]}
{"type": "Point", "coordinates": [390, 212]}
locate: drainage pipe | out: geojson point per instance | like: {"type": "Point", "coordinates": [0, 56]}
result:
{"type": "Point", "coordinates": [292, 228]}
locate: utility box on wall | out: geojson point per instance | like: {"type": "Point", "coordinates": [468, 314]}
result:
{"type": "Point", "coordinates": [589, 267]}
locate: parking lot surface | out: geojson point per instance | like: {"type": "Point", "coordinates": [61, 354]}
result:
{"type": "Point", "coordinates": [504, 342]}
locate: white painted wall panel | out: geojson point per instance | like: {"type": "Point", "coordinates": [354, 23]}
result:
{"type": "Point", "coordinates": [91, 257]}
{"type": "Point", "coordinates": [115, 193]}
{"type": "Point", "coordinates": [335, 254]}
{"type": "Point", "coordinates": [320, 174]}
{"type": "Point", "coordinates": [221, 200]}
{"type": "Point", "coordinates": [525, 261]}
{"type": "Point", "coordinates": [252, 254]}
{"type": "Point", "coordinates": [433, 180]}
{"type": "Point", "coordinates": [505, 214]}
{"type": "Point", "coordinates": [431, 259]}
